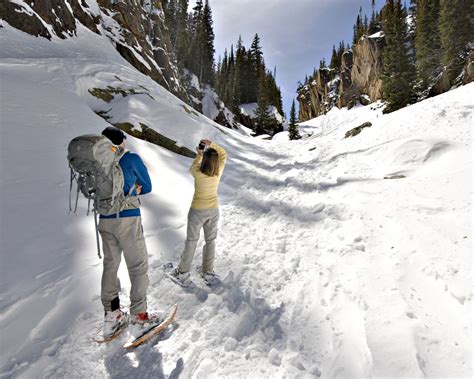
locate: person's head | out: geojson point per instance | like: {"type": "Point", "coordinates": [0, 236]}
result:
{"type": "Point", "coordinates": [115, 135]}
{"type": "Point", "coordinates": [210, 162]}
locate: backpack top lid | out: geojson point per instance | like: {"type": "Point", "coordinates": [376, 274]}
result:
{"type": "Point", "coordinates": [90, 152]}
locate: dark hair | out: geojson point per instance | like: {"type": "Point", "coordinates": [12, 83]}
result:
{"type": "Point", "coordinates": [210, 162]}
{"type": "Point", "coordinates": [115, 135]}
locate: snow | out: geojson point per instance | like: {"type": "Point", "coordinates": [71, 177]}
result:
{"type": "Point", "coordinates": [209, 101]}
{"type": "Point", "coordinates": [281, 136]}
{"type": "Point", "coordinates": [250, 110]}
{"type": "Point", "coordinates": [328, 269]}
{"type": "Point", "coordinates": [194, 80]}
{"type": "Point", "coordinates": [377, 35]}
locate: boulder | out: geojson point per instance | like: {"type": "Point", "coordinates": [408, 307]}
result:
{"type": "Point", "coordinates": [441, 85]}
{"type": "Point", "coordinates": [364, 100]}
{"type": "Point", "coordinates": [357, 130]}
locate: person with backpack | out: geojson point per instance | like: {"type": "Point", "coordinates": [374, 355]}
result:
{"type": "Point", "coordinates": [207, 169]}
{"type": "Point", "coordinates": [122, 232]}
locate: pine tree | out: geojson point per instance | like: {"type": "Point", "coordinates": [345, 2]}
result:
{"type": "Point", "coordinates": [373, 27]}
{"type": "Point", "coordinates": [242, 78]}
{"type": "Point", "coordinates": [334, 59]}
{"type": "Point", "coordinates": [456, 31]}
{"type": "Point", "coordinates": [201, 56]}
{"type": "Point", "coordinates": [257, 69]}
{"type": "Point", "coordinates": [365, 25]}
{"type": "Point", "coordinates": [239, 76]}
{"type": "Point", "coordinates": [262, 114]}
{"type": "Point", "coordinates": [197, 37]}
{"type": "Point", "coordinates": [398, 74]}
{"type": "Point", "coordinates": [427, 41]}
{"type": "Point", "coordinates": [182, 41]}
{"type": "Point", "coordinates": [293, 132]}
{"type": "Point", "coordinates": [207, 68]}
{"type": "Point", "coordinates": [256, 50]}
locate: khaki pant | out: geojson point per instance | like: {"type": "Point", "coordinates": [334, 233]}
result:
{"type": "Point", "coordinates": [124, 234]}
{"type": "Point", "coordinates": [197, 219]}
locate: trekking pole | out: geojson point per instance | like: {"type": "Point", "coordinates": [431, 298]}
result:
{"type": "Point", "coordinates": [70, 189]}
{"type": "Point", "coordinates": [97, 233]}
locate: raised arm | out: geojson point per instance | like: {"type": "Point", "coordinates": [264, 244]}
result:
{"type": "Point", "coordinates": [196, 164]}
{"type": "Point", "coordinates": [222, 155]}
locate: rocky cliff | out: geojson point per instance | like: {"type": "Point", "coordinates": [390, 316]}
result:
{"type": "Point", "coordinates": [364, 76]}
{"type": "Point", "coordinates": [138, 31]}
{"type": "Point", "coordinates": [136, 28]}
{"type": "Point", "coordinates": [359, 79]}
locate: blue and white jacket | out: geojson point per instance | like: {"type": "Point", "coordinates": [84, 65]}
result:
{"type": "Point", "coordinates": [134, 172]}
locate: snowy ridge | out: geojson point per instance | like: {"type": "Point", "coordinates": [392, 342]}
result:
{"type": "Point", "coordinates": [328, 268]}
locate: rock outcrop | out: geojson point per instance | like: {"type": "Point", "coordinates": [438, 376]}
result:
{"type": "Point", "coordinates": [136, 28]}
{"type": "Point", "coordinates": [468, 73]}
{"type": "Point", "coordinates": [320, 95]}
{"type": "Point", "coordinates": [138, 31]}
{"type": "Point", "coordinates": [358, 80]}
{"type": "Point", "coordinates": [366, 71]}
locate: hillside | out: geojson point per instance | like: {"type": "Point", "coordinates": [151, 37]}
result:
{"type": "Point", "coordinates": [328, 268]}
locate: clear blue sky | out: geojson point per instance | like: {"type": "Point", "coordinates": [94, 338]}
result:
{"type": "Point", "coordinates": [295, 34]}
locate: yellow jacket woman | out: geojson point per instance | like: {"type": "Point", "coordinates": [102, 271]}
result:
{"type": "Point", "coordinates": [207, 171]}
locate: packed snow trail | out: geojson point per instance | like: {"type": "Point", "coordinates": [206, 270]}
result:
{"type": "Point", "coordinates": [328, 269]}
{"type": "Point", "coordinates": [322, 275]}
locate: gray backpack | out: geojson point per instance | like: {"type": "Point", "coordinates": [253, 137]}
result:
{"type": "Point", "coordinates": [94, 164]}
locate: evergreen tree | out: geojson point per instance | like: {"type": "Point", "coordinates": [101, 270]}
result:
{"type": "Point", "coordinates": [373, 27]}
{"type": "Point", "coordinates": [182, 40]}
{"type": "Point", "coordinates": [242, 78]}
{"type": "Point", "coordinates": [427, 41]}
{"type": "Point", "coordinates": [201, 57]}
{"type": "Point", "coordinates": [293, 132]}
{"type": "Point", "coordinates": [241, 73]}
{"type": "Point", "coordinates": [398, 74]}
{"type": "Point", "coordinates": [207, 68]}
{"type": "Point", "coordinates": [197, 37]}
{"type": "Point", "coordinates": [456, 31]}
{"type": "Point", "coordinates": [262, 114]}
{"type": "Point", "coordinates": [334, 64]}
{"type": "Point", "coordinates": [257, 68]}
{"type": "Point", "coordinates": [257, 54]}
{"type": "Point", "coordinates": [251, 78]}
{"type": "Point", "coordinates": [170, 18]}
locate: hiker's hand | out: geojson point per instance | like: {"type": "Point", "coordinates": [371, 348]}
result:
{"type": "Point", "coordinates": [206, 142]}
{"type": "Point", "coordinates": [138, 188]}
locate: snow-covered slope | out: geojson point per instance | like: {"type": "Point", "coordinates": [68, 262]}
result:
{"type": "Point", "coordinates": [328, 268]}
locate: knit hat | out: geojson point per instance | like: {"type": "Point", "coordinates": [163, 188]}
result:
{"type": "Point", "coordinates": [116, 136]}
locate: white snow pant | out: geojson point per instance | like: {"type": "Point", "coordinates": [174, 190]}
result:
{"type": "Point", "coordinates": [124, 234]}
{"type": "Point", "coordinates": [197, 219]}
